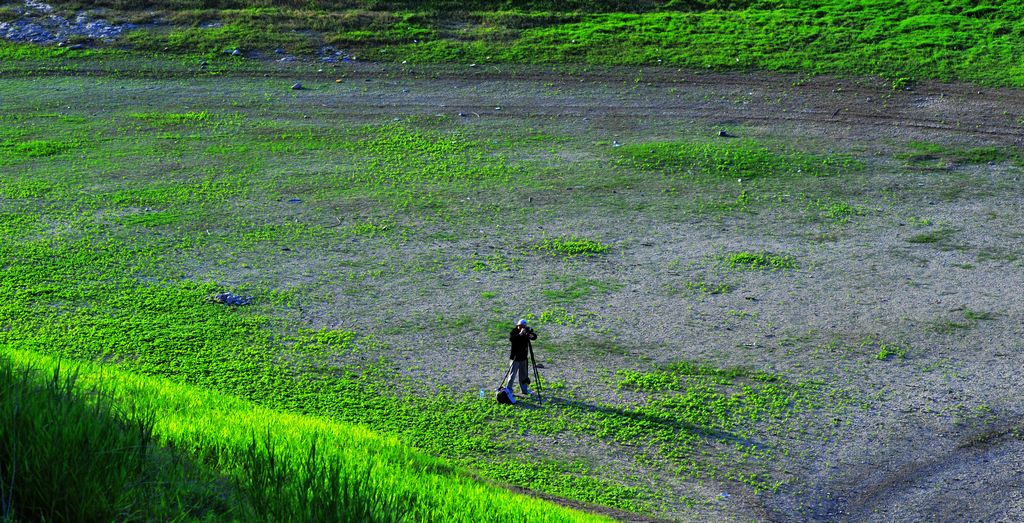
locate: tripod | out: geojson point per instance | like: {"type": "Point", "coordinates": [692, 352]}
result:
{"type": "Point", "coordinates": [535, 373]}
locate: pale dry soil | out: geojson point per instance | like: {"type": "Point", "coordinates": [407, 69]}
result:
{"type": "Point", "coordinates": [934, 436]}
{"type": "Point", "coordinates": [940, 438]}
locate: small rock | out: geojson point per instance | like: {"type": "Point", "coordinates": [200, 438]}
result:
{"type": "Point", "coordinates": [236, 52]}
{"type": "Point", "coordinates": [616, 143]}
{"type": "Point", "coordinates": [295, 200]}
{"type": "Point", "coordinates": [297, 87]}
{"type": "Point", "coordinates": [227, 298]}
{"type": "Point", "coordinates": [725, 134]}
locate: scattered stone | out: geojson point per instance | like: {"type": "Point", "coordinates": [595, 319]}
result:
{"type": "Point", "coordinates": [236, 52]}
{"type": "Point", "coordinates": [38, 6]}
{"type": "Point", "coordinates": [278, 51]}
{"type": "Point", "coordinates": [38, 25]}
{"type": "Point", "coordinates": [297, 87]}
{"type": "Point", "coordinates": [227, 298]}
{"type": "Point", "coordinates": [615, 143]}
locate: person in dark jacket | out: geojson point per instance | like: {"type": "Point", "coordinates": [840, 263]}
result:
{"type": "Point", "coordinates": [520, 337]}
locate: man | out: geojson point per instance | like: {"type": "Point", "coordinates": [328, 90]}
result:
{"type": "Point", "coordinates": [520, 354]}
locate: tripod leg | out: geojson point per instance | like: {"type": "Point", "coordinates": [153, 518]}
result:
{"type": "Point", "coordinates": [508, 375]}
{"type": "Point", "coordinates": [536, 374]}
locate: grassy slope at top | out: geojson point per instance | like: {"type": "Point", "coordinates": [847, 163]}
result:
{"type": "Point", "coordinates": [279, 457]}
{"type": "Point", "coordinates": [955, 40]}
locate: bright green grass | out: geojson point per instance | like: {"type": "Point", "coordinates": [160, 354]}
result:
{"type": "Point", "coordinates": [284, 466]}
{"type": "Point", "coordinates": [893, 39]}
{"type": "Point", "coordinates": [72, 453]}
{"type": "Point", "coordinates": [732, 159]}
{"type": "Point", "coordinates": [759, 261]}
{"type": "Point", "coordinates": [903, 41]}
{"type": "Point", "coordinates": [13, 150]}
{"type": "Point", "coordinates": [172, 118]}
{"type": "Point", "coordinates": [573, 246]}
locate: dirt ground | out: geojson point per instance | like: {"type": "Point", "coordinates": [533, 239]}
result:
{"type": "Point", "coordinates": [939, 436]}
{"type": "Point", "coordinates": [941, 440]}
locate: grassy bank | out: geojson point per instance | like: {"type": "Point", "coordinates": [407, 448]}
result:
{"type": "Point", "coordinates": [150, 449]}
{"type": "Point", "coordinates": [901, 41]}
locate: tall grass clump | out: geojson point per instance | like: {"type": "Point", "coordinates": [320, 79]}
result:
{"type": "Point", "coordinates": [65, 459]}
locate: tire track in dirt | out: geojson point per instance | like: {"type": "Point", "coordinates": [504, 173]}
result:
{"type": "Point", "coordinates": [795, 99]}
{"type": "Point", "coordinates": [866, 496]}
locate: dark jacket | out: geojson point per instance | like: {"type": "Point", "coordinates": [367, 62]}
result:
{"type": "Point", "coordinates": [520, 343]}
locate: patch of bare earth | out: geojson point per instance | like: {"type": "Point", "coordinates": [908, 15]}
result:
{"type": "Point", "coordinates": [932, 436]}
